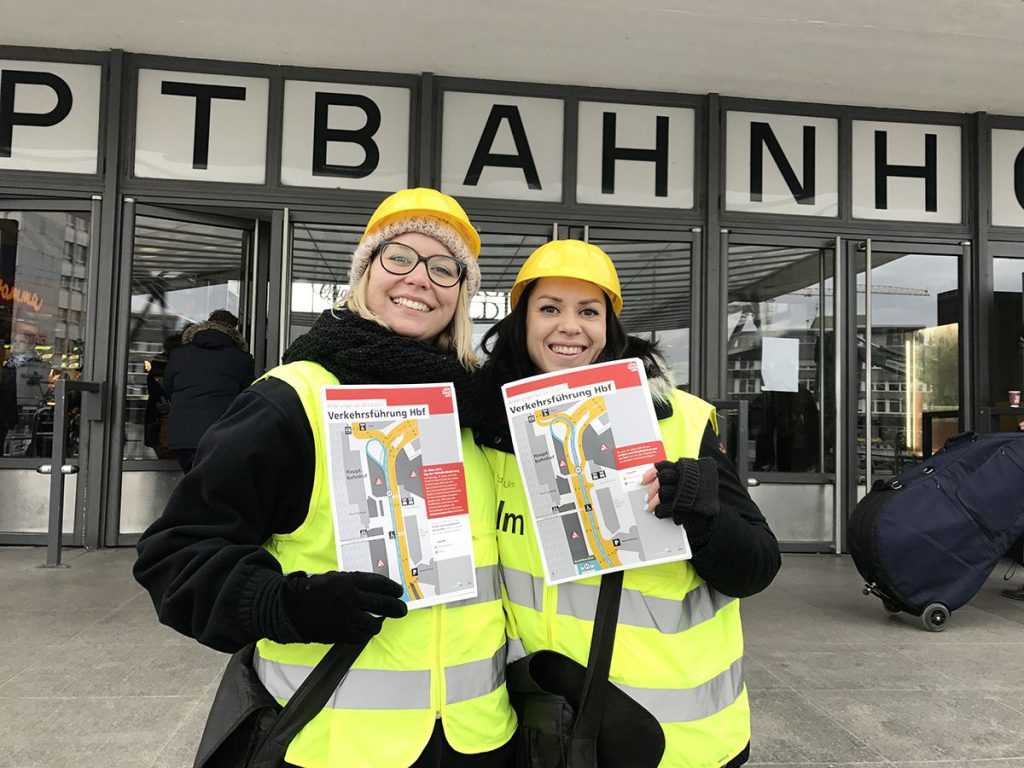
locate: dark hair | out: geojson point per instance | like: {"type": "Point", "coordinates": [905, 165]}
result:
{"type": "Point", "coordinates": [508, 358]}
{"type": "Point", "coordinates": [172, 342]}
{"type": "Point", "coordinates": [223, 317]}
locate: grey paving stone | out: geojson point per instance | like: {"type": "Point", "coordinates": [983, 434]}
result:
{"type": "Point", "coordinates": [134, 622]}
{"type": "Point", "coordinates": [851, 667]}
{"type": "Point", "coordinates": [985, 667]}
{"type": "Point", "coordinates": [759, 678]}
{"type": "Point", "coordinates": [120, 670]}
{"type": "Point", "coordinates": [787, 728]}
{"type": "Point", "coordinates": [107, 732]}
{"type": "Point", "coordinates": [901, 725]}
{"type": "Point", "coordinates": [789, 623]}
{"type": "Point", "coordinates": [46, 626]}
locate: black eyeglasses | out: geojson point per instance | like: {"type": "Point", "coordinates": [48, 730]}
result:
{"type": "Point", "coordinates": [400, 259]}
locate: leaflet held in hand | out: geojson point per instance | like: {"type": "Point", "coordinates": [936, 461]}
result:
{"type": "Point", "coordinates": [398, 488]}
{"type": "Point", "coordinates": [584, 439]}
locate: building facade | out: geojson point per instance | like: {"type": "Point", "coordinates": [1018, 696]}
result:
{"type": "Point", "coordinates": [845, 282]}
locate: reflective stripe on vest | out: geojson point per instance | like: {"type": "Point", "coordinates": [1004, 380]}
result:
{"type": "Point", "coordinates": [475, 678]}
{"type": "Point", "coordinates": [389, 688]}
{"type": "Point", "coordinates": [635, 609]}
{"type": "Point", "coordinates": [488, 587]}
{"type": "Point", "coordinates": [684, 705]}
{"type": "Point", "coordinates": [516, 651]}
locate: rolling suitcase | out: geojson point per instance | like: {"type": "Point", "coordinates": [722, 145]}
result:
{"type": "Point", "coordinates": [927, 539]}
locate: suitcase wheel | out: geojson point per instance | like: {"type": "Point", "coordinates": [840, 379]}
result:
{"type": "Point", "coordinates": [935, 617]}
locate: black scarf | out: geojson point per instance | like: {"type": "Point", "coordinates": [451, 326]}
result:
{"type": "Point", "coordinates": [360, 351]}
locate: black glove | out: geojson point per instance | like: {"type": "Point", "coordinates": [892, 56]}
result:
{"type": "Point", "coordinates": [688, 495]}
{"type": "Point", "coordinates": [337, 607]}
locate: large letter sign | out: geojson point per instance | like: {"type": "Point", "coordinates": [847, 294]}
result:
{"type": "Point", "coordinates": [635, 154]}
{"type": "Point", "coordinates": [906, 172]}
{"type": "Point", "coordinates": [200, 126]}
{"type": "Point", "coordinates": [782, 164]}
{"type": "Point", "coordinates": [1007, 178]}
{"type": "Point", "coordinates": [49, 116]}
{"type": "Point", "coordinates": [345, 136]}
{"type": "Point", "coordinates": [502, 146]}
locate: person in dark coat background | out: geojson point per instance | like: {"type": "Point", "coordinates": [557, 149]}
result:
{"type": "Point", "coordinates": [202, 377]}
{"type": "Point", "coordinates": [158, 405]}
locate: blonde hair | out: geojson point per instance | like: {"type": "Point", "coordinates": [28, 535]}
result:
{"type": "Point", "coordinates": [457, 337]}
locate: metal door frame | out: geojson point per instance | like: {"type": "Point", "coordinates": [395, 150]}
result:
{"type": "Point", "coordinates": [717, 336]}
{"type": "Point", "coordinates": [90, 434]}
{"type": "Point", "coordinates": [869, 248]}
{"type": "Point", "coordinates": [256, 241]}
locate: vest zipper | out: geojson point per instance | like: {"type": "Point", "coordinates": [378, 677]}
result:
{"type": "Point", "coordinates": [439, 684]}
{"type": "Point", "coordinates": [550, 613]}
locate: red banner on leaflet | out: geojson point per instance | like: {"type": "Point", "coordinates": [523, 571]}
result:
{"type": "Point", "coordinates": [437, 397]}
{"type": "Point", "coordinates": [641, 453]}
{"type": "Point", "coordinates": [444, 490]}
{"type": "Point", "coordinates": [623, 373]}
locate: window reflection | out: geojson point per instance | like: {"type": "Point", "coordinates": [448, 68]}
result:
{"type": "Point", "coordinates": [321, 256]}
{"type": "Point", "coordinates": [1006, 333]}
{"type": "Point", "coordinates": [181, 272]}
{"type": "Point", "coordinates": [42, 324]}
{"type": "Point", "coordinates": [779, 326]}
{"type": "Point", "coordinates": [656, 294]}
{"type": "Point", "coordinates": [915, 393]}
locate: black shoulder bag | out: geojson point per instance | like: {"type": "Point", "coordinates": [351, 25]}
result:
{"type": "Point", "coordinates": [571, 717]}
{"type": "Point", "coordinates": [247, 728]}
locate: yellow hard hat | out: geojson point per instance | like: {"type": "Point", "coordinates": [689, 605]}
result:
{"type": "Point", "coordinates": [424, 202]}
{"type": "Point", "coordinates": [570, 258]}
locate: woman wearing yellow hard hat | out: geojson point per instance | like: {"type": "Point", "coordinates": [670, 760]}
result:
{"type": "Point", "coordinates": [245, 550]}
{"type": "Point", "coordinates": [678, 644]}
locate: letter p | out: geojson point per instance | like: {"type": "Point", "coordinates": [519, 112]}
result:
{"type": "Point", "coordinates": [9, 80]}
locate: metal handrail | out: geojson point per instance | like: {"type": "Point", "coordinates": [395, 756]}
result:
{"type": "Point", "coordinates": [92, 410]}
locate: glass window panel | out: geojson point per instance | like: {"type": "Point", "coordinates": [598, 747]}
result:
{"type": "Point", "coordinates": [915, 315]}
{"type": "Point", "coordinates": [1006, 331]}
{"type": "Point", "coordinates": [656, 294]}
{"type": "Point", "coordinates": [181, 272]}
{"type": "Point", "coordinates": [779, 352]}
{"type": "Point", "coordinates": [321, 256]}
{"type": "Point", "coordinates": [43, 284]}
{"type": "Point", "coordinates": [501, 256]}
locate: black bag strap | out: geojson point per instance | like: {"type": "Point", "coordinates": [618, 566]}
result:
{"type": "Point", "coordinates": [595, 683]}
{"type": "Point", "coordinates": [310, 697]}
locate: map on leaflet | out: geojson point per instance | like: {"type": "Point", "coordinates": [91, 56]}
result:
{"type": "Point", "coordinates": [398, 488]}
{"type": "Point", "coordinates": [584, 439]}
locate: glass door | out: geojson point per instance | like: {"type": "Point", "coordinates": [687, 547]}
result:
{"type": "Point", "coordinates": [183, 267]}
{"type": "Point", "coordinates": [1004, 372]}
{"type": "Point", "coordinates": [320, 254]}
{"type": "Point", "coordinates": [656, 272]}
{"type": "Point", "coordinates": [47, 263]}
{"type": "Point", "coordinates": [906, 356]}
{"type": "Point", "coordinates": [780, 354]}
{"type": "Point", "coordinates": [319, 257]}
{"type": "Point", "coordinates": [503, 249]}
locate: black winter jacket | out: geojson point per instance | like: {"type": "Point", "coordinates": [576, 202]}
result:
{"type": "Point", "coordinates": [202, 561]}
{"type": "Point", "coordinates": [202, 378]}
{"type": "Point", "coordinates": [741, 556]}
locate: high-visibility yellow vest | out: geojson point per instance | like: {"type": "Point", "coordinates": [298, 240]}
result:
{"type": "Point", "coordinates": [678, 643]}
{"type": "Point", "coordinates": [445, 661]}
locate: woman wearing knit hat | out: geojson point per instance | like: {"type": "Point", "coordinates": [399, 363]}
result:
{"type": "Point", "coordinates": [245, 550]}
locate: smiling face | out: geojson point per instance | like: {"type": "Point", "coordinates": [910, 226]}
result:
{"type": "Point", "coordinates": [566, 323]}
{"type": "Point", "coordinates": [411, 305]}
